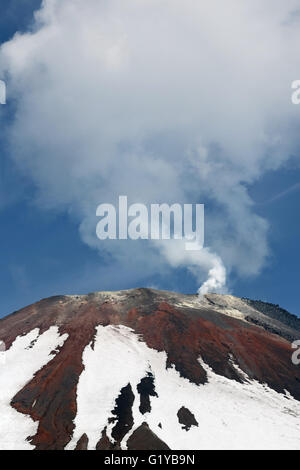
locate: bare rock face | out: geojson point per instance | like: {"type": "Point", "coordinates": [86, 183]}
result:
{"type": "Point", "coordinates": [144, 439]}
{"type": "Point", "coordinates": [146, 369]}
{"type": "Point", "coordinates": [186, 418]}
{"type": "Point", "coordinates": [82, 444]}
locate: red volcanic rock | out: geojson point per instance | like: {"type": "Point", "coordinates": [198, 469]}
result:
{"type": "Point", "coordinates": [148, 369]}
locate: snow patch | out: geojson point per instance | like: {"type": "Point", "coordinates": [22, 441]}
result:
{"type": "Point", "coordinates": [27, 355]}
{"type": "Point", "coordinates": [231, 415]}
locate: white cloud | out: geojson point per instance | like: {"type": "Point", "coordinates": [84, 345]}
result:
{"type": "Point", "coordinates": [161, 100]}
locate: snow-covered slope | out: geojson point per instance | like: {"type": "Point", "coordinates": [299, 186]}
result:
{"type": "Point", "coordinates": [27, 355]}
{"type": "Point", "coordinates": [144, 369]}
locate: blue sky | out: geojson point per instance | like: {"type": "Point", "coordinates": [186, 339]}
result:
{"type": "Point", "coordinates": [45, 252]}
